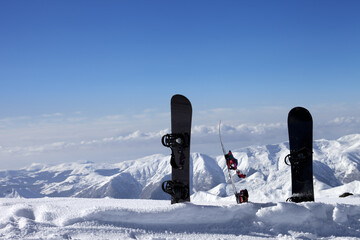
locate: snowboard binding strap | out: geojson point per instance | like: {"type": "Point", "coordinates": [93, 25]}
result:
{"type": "Point", "coordinates": [176, 189]}
{"type": "Point", "coordinates": [240, 174]}
{"type": "Point", "coordinates": [296, 159]}
{"type": "Point", "coordinates": [177, 143]}
{"type": "Point", "coordinates": [298, 156]}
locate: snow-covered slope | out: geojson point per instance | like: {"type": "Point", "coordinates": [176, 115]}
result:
{"type": "Point", "coordinates": [336, 164]}
{"type": "Point", "coordinates": [29, 211]}
{"type": "Point", "coordinates": [132, 179]}
{"type": "Point", "coordinates": [75, 218]}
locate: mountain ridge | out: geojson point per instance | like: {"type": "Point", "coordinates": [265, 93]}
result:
{"type": "Point", "coordinates": [336, 163]}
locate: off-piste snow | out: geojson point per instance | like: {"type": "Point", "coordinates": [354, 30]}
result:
{"type": "Point", "coordinates": [85, 200]}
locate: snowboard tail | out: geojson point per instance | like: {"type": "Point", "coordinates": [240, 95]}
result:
{"type": "Point", "coordinates": [300, 129]}
{"type": "Point", "coordinates": [179, 143]}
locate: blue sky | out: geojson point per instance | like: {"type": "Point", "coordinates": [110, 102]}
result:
{"type": "Point", "coordinates": [111, 67]}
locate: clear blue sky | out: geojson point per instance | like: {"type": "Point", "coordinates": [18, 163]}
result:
{"type": "Point", "coordinates": [110, 56]}
{"type": "Point", "coordinates": [75, 71]}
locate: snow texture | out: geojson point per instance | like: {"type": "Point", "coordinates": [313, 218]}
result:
{"type": "Point", "coordinates": [125, 201]}
{"type": "Point", "coordinates": [76, 218]}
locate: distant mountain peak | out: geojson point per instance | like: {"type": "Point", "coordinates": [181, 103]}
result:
{"type": "Point", "coordinates": [336, 164]}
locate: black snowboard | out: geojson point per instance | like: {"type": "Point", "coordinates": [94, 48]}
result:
{"type": "Point", "coordinates": [179, 142]}
{"type": "Point", "coordinates": [300, 127]}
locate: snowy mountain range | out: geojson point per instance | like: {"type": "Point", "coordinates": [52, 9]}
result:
{"type": "Point", "coordinates": [336, 170]}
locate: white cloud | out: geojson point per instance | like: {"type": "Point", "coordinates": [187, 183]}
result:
{"type": "Point", "coordinates": [59, 137]}
{"type": "Point", "coordinates": [345, 120]}
{"type": "Point", "coordinates": [49, 115]}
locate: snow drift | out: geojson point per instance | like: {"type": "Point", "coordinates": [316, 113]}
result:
{"type": "Point", "coordinates": [75, 218]}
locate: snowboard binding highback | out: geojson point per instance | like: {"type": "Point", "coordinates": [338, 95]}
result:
{"type": "Point", "coordinates": [177, 143]}
{"type": "Point", "coordinates": [176, 189]}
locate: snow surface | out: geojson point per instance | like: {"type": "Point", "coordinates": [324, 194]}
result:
{"type": "Point", "coordinates": [125, 201]}
{"type": "Point", "coordinates": [76, 218]}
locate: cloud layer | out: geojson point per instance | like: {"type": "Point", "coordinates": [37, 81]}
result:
{"type": "Point", "coordinates": [58, 137]}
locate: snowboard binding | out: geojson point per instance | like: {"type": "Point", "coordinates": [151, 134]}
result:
{"type": "Point", "coordinates": [242, 196]}
{"type": "Point", "coordinates": [231, 162]}
{"type": "Point", "coordinates": [297, 157]}
{"type": "Point", "coordinates": [177, 143]}
{"type": "Point", "coordinates": [176, 189]}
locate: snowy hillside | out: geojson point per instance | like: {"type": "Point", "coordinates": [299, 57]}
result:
{"type": "Point", "coordinates": [35, 203]}
{"type": "Point", "coordinates": [336, 169]}
{"type": "Point", "coordinates": [75, 218]}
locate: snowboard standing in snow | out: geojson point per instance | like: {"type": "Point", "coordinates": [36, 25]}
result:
{"type": "Point", "coordinates": [300, 127]}
{"type": "Point", "coordinates": [231, 164]}
{"type": "Point", "coordinates": [179, 142]}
